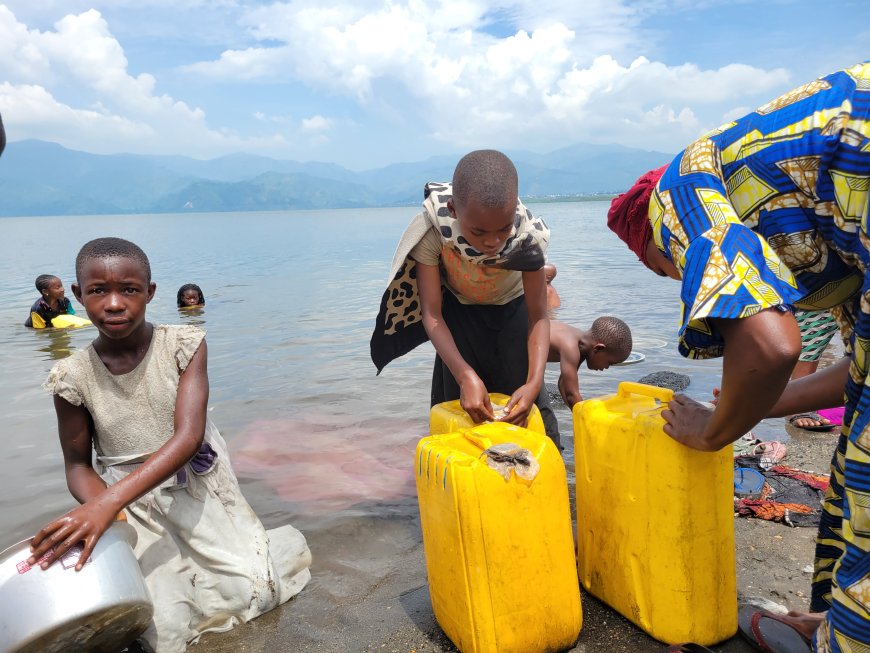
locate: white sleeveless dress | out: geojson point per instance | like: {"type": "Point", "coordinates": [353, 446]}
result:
{"type": "Point", "coordinates": [207, 560]}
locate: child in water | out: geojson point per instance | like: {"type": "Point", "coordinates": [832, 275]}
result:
{"type": "Point", "coordinates": [51, 303]}
{"type": "Point", "coordinates": [138, 396]}
{"type": "Point", "coordinates": [190, 296]}
{"type": "Point", "coordinates": [553, 299]}
{"type": "Point", "coordinates": [607, 342]}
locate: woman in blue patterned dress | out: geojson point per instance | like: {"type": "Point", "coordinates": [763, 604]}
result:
{"type": "Point", "coordinates": [763, 215]}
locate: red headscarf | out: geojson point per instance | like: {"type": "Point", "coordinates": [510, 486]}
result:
{"type": "Point", "coordinates": [628, 215]}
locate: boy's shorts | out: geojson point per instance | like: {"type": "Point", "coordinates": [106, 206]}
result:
{"type": "Point", "coordinates": [817, 330]}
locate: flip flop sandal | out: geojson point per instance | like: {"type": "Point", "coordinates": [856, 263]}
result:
{"type": "Point", "coordinates": [813, 416]}
{"type": "Point", "coordinates": [769, 453]}
{"type": "Point", "coordinates": [748, 483]}
{"type": "Point", "coordinates": [689, 647]}
{"type": "Point", "coordinates": [745, 444]}
{"type": "Point", "coordinates": [769, 632]}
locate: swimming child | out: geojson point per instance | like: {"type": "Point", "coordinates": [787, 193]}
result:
{"type": "Point", "coordinates": [138, 395]}
{"type": "Point", "coordinates": [468, 274]}
{"type": "Point", "coordinates": [606, 343]}
{"type": "Point", "coordinates": [190, 296]}
{"type": "Point", "coordinates": [553, 299]}
{"type": "Point", "coordinates": [51, 303]}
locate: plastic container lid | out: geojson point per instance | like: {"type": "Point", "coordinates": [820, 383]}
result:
{"type": "Point", "coordinates": [747, 483]}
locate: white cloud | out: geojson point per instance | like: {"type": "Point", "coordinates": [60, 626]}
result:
{"type": "Point", "coordinates": [562, 80]}
{"type": "Point", "coordinates": [509, 73]}
{"type": "Point", "coordinates": [107, 108]}
{"type": "Point", "coordinates": [316, 124]}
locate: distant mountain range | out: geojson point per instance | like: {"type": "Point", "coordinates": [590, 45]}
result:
{"type": "Point", "coordinates": [40, 178]}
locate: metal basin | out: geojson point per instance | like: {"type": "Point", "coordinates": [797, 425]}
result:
{"type": "Point", "coordinates": [99, 609]}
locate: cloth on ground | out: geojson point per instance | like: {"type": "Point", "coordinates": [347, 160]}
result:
{"type": "Point", "coordinates": [789, 496]}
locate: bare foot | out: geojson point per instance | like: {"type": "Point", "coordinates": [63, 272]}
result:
{"type": "Point", "coordinates": [808, 420]}
{"type": "Point", "coordinates": [805, 623]}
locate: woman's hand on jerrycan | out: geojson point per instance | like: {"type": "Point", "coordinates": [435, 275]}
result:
{"type": "Point", "coordinates": [686, 419]}
{"type": "Point", "coordinates": [85, 524]}
{"type": "Point", "coordinates": [474, 398]}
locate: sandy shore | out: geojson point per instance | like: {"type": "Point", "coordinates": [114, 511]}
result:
{"type": "Point", "coordinates": [383, 604]}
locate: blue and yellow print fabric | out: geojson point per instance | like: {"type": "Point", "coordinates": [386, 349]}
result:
{"type": "Point", "coordinates": [764, 211]}
{"type": "Point", "coordinates": [771, 211]}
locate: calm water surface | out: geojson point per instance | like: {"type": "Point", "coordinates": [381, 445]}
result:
{"type": "Point", "coordinates": [316, 437]}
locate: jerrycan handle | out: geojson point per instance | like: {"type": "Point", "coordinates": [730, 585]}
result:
{"type": "Point", "coordinates": [627, 388]}
{"type": "Point", "coordinates": [482, 443]}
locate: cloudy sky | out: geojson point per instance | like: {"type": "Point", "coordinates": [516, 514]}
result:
{"type": "Point", "coordinates": [370, 82]}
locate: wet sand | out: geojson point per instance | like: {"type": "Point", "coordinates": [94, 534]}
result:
{"type": "Point", "coordinates": [369, 592]}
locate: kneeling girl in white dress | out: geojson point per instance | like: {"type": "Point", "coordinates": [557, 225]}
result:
{"type": "Point", "coordinates": [137, 395]}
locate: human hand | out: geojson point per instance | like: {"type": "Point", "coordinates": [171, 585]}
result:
{"type": "Point", "coordinates": [85, 524]}
{"type": "Point", "coordinates": [474, 398]}
{"type": "Point", "coordinates": [716, 393]}
{"type": "Point", "coordinates": [516, 410]}
{"type": "Point", "coordinates": [686, 420]}
{"type": "Point", "coordinates": [569, 394]}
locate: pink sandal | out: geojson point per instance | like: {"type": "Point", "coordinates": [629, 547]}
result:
{"type": "Point", "coordinates": [770, 453]}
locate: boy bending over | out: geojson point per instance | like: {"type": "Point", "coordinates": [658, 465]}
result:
{"type": "Point", "coordinates": [468, 275]}
{"type": "Point", "coordinates": [606, 343]}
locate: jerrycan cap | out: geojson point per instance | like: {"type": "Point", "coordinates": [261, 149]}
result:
{"type": "Point", "coordinates": [748, 483]}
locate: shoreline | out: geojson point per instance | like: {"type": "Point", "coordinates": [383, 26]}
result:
{"type": "Point", "coordinates": [385, 605]}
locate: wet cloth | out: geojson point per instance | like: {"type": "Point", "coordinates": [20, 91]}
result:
{"type": "Point", "coordinates": [789, 495]}
{"type": "Point", "coordinates": [817, 329]}
{"type": "Point", "coordinates": [206, 558]}
{"type": "Point", "coordinates": [398, 326]}
{"type": "Point", "coordinates": [41, 313]}
{"type": "Point", "coordinates": [770, 211]}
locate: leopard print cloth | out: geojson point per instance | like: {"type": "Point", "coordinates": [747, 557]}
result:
{"type": "Point", "coordinates": [399, 326]}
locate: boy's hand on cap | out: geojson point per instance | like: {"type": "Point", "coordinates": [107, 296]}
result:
{"type": "Point", "coordinates": [520, 404]}
{"type": "Point", "coordinates": [474, 399]}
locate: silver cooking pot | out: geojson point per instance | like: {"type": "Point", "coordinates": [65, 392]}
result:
{"type": "Point", "coordinates": [99, 609]}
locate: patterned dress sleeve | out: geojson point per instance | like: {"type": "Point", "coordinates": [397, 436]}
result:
{"type": "Point", "coordinates": [187, 341]}
{"type": "Point", "coordinates": [728, 270]}
{"type": "Point", "coordinates": [61, 382]}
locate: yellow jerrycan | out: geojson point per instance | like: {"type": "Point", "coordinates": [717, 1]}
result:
{"type": "Point", "coordinates": [498, 540]}
{"type": "Point", "coordinates": [655, 519]}
{"type": "Point", "coordinates": [449, 417]}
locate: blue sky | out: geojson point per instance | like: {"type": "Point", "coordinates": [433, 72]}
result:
{"type": "Point", "coordinates": [371, 82]}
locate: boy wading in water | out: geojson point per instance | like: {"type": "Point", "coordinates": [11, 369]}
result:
{"type": "Point", "coordinates": [606, 343]}
{"type": "Point", "coordinates": [468, 274]}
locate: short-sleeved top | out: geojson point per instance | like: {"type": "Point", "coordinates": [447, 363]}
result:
{"type": "Point", "coordinates": [771, 209]}
{"type": "Point", "coordinates": [41, 314]}
{"type": "Point", "coordinates": [469, 282]}
{"type": "Point", "coordinates": [133, 413]}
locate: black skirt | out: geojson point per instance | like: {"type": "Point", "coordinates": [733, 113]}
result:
{"type": "Point", "coordinates": [493, 340]}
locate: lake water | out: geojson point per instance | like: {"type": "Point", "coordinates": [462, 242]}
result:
{"type": "Point", "coordinates": [316, 438]}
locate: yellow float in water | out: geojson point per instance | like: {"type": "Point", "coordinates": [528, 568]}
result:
{"type": "Point", "coordinates": [498, 540]}
{"type": "Point", "coordinates": [63, 321]}
{"type": "Point", "coordinates": [655, 519]}
{"type": "Point", "coordinates": [69, 321]}
{"type": "Point", "coordinates": [449, 416]}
